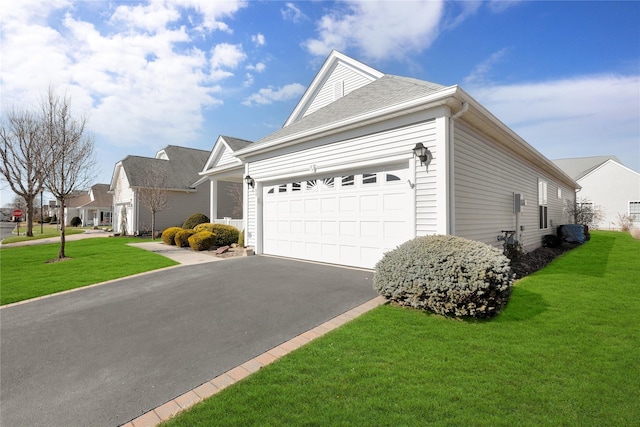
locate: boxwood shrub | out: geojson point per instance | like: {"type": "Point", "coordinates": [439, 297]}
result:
{"type": "Point", "coordinates": [202, 241]}
{"type": "Point", "coordinates": [227, 234]}
{"type": "Point", "coordinates": [168, 235]}
{"type": "Point", "coordinates": [182, 237]}
{"type": "Point", "coordinates": [195, 219]}
{"type": "Point", "coordinates": [447, 275]}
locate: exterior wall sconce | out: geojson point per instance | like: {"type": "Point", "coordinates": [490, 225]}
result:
{"type": "Point", "coordinates": [250, 181]}
{"type": "Point", "coordinates": [423, 153]}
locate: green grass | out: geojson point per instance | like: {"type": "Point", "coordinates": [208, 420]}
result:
{"type": "Point", "coordinates": [47, 231]}
{"type": "Point", "coordinates": [26, 274]}
{"type": "Point", "coordinates": [565, 352]}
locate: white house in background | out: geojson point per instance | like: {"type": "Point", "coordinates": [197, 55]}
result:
{"type": "Point", "coordinates": [224, 172]}
{"type": "Point", "coordinates": [607, 183]}
{"type": "Point", "coordinates": [339, 183]}
{"type": "Point", "coordinates": [93, 207]}
{"type": "Point", "coordinates": [174, 169]}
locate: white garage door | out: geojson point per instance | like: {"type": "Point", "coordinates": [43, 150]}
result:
{"type": "Point", "coordinates": [349, 219]}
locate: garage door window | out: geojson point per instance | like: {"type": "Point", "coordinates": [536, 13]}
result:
{"type": "Point", "coordinates": [369, 178]}
{"type": "Point", "coordinates": [348, 180]}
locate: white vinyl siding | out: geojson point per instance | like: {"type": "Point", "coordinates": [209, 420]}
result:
{"type": "Point", "coordinates": [342, 81]}
{"type": "Point", "coordinates": [486, 177]}
{"type": "Point", "coordinates": [226, 158]}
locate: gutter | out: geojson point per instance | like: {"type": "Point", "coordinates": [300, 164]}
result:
{"type": "Point", "coordinates": [451, 166]}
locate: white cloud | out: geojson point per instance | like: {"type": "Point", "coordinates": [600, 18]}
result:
{"type": "Point", "coordinates": [269, 95]}
{"type": "Point", "coordinates": [379, 29]}
{"type": "Point", "coordinates": [582, 116]}
{"type": "Point", "coordinates": [258, 39]}
{"type": "Point", "coordinates": [259, 67]}
{"type": "Point", "coordinates": [139, 86]}
{"type": "Point", "coordinates": [481, 72]}
{"type": "Point", "coordinates": [291, 12]}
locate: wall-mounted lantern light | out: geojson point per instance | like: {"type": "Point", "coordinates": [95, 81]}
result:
{"type": "Point", "coordinates": [250, 182]}
{"type": "Point", "coordinates": [423, 153]}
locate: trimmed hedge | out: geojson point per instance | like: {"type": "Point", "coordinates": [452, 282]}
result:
{"type": "Point", "coordinates": [227, 234]}
{"type": "Point", "coordinates": [195, 219]}
{"type": "Point", "coordinates": [447, 275]}
{"type": "Point", "coordinates": [182, 238]}
{"type": "Point", "coordinates": [202, 241]}
{"type": "Point", "coordinates": [168, 235]}
{"type": "Point", "coordinates": [76, 221]}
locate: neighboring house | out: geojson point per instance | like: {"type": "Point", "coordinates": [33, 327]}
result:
{"type": "Point", "coordinates": [608, 184]}
{"type": "Point", "coordinates": [174, 169]}
{"type": "Point", "coordinates": [339, 183]}
{"type": "Point", "coordinates": [224, 172]}
{"type": "Point", "coordinates": [94, 207]}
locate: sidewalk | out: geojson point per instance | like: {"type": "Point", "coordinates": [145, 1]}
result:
{"type": "Point", "coordinates": [68, 238]}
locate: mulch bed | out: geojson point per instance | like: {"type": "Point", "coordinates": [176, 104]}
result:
{"type": "Point", "coordinates": [530, 262]}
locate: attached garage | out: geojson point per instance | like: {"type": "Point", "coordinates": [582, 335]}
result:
{"type": "Point", "coordinates": [349, 218]}
{"type": "Point", "coordinates": [341, 183]}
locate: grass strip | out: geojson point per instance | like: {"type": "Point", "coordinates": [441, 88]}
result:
{"type": "Point", "coordinates": [26, 274]}
{"type": "Point", "coordinates": [565, 351]}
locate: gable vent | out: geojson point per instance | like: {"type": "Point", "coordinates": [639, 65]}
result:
{"type": "Point", "coordinates": [338, 89]}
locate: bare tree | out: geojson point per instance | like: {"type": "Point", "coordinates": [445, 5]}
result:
{"type": "Point", "coordinates": [21, 144]}
{"type": "Point", "coordinates": [68, 155]}
{"type": "Point", "coordinates": [153, 194]}
{"type": "Point", "coordinates": [584, 212]}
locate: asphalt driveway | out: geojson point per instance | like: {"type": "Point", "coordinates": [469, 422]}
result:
{"type": "Point", "coordinates": [105, 355]}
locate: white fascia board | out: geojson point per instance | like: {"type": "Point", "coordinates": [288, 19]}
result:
{"type": "Point", "coordinates": [220, 169]}
{"type": "Point", "coordinates": [116, 170]}
{"type": "Point", "coordinates": [414, 105]}
{"type": "Point", "coordinates": [509, 138]}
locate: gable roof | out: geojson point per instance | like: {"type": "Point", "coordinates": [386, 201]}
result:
{"type": "Point", "coordinates": [385, 91]}
{"type": "Point", "coordinates": [356, 72]}
{"type": "Point", "coordinates": [578, 167]}
{"type": "Point", "coordinates": [223, 151]}
{"type": "Point", "coordinates": [181, 169]}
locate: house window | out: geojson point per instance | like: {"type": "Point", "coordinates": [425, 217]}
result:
{"type": "Point", "coordinates": [634, 211]}
{"type": "Point", "coordinates": [542, 204]}
{"type": "Point", "coordinates": [559, 193]}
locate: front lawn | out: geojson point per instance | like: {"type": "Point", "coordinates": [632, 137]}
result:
{"type": "Point", "coordinates": [48, 230]}
{"type": "Point", "coordinates": [26, 274]}
{"type": "Point", "coordinates": [565, 352]}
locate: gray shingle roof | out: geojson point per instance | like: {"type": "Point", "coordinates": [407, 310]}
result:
{"type": "Point", "coordinates": [386, 91]}
{"type": "Point", "coordinates": [236, 143]}
{"type": "Point", "coordinates": [578, 167]}
{"type": "Point", "coordinates": [181, 170]}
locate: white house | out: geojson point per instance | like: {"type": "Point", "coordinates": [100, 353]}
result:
{"type": "Point", "coordinates": [340, 182]}
{"type": "Point", "coordinates": [174, 169]}
{"type": "Point", "coordinates": [607, 184]}
{"type": "Point", "coordinates": [94, 207]}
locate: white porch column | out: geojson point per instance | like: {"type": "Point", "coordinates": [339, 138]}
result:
{"type": "Point", "coordinates": [213, 199]}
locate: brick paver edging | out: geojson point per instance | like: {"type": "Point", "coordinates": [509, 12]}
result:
{"type": "Point", "coordinates": [208, 389]}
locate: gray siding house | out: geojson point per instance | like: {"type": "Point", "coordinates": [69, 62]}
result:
{"type": "Point", "coordinates": [174, 169]}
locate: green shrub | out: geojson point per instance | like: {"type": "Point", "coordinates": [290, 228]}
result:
{"type": "Point", "coordinates": [205, 226]}
{"type": "Point", "coordinates": [182, 237]}
{"type": "Point", "coordinates": [241, 239]}
{"type": "Point", "coordinates": [76, 221]}
{"type": "Point", "coordinates": [195, 219]}
{"type": "Point", "coordinates": [447, 275]}
{"type": "Point", "coordinates": [168, 235]}
{"type": "Point", "coordinates": [227, 234]}
{"type": "Point", "coordinates": [202, 241]}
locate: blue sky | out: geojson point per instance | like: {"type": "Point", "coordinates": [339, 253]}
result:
{"type": "Point", "coordinates": [563, 75]}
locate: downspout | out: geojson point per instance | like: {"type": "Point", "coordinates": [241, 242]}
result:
{"type": "Point", "coordinates": [452, 195]}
